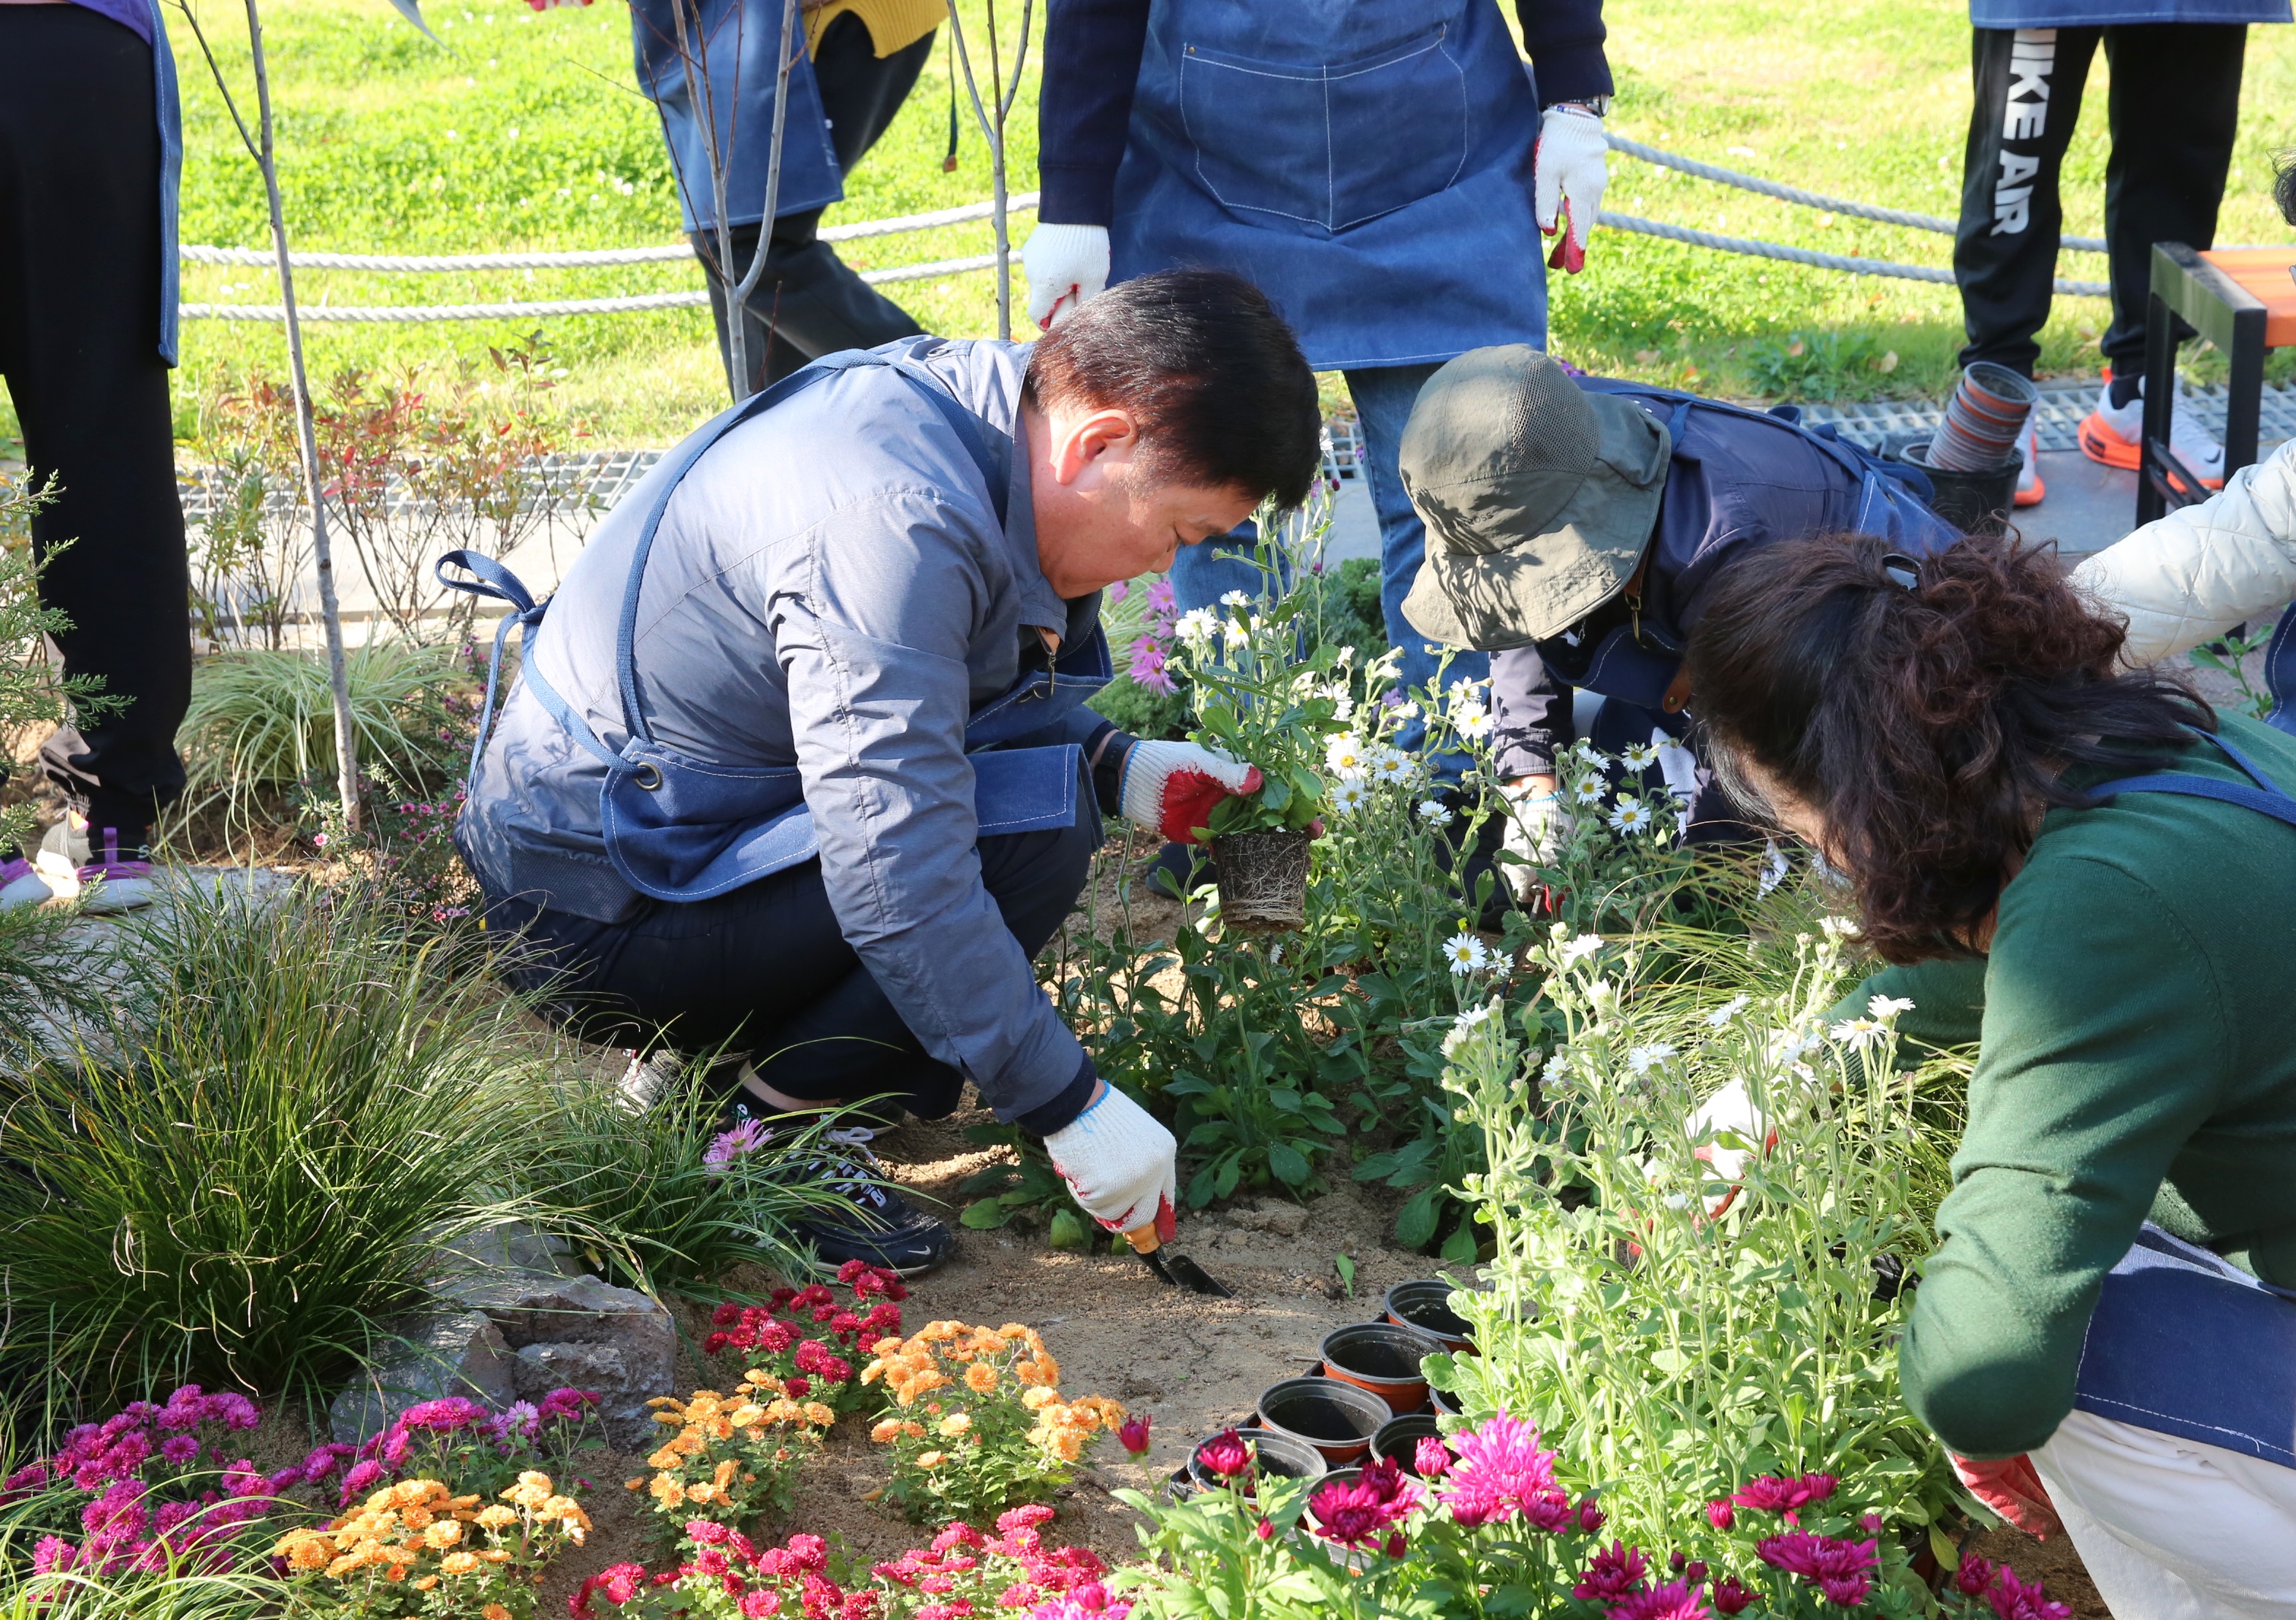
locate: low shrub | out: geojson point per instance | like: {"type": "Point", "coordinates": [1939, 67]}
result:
{"type": "Point", "coordinates": [732, 1457]}
{"type": "Point", "coordinates": [977, 1422]}
{"type": "Point", "coordinates": [240, 1175]}
{"type": "Point", "coordinates": [416, 1548]}
{"type": "Point", "coordinates": [808, 1340]}
{"type": "Point", "coordinates": [457, 1440]}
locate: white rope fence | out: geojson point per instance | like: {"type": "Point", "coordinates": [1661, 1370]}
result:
{"type": "Point", "coordinates": [680, 252]}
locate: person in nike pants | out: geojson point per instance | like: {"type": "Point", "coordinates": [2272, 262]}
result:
{"type": "Point", "coordinates": [2173, 109]}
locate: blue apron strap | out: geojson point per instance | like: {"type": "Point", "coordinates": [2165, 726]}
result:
{"type": "Point", "coordinates": [2279, 673]}
{"type": "Point", "coordinates": [499, 583]}
{"type": "Point", "coordinates": [2264, 797]}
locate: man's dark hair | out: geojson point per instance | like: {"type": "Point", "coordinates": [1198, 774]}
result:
{"type": "Point", "coordinates": [2283, 184]}
{"type": "Point", "coordinates": [1209, 372]}
{"type": "Point", "coordinates": [1927, 725]}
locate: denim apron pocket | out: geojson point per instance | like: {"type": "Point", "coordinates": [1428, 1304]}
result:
{"type": "Point", "coordinates": [1286, 141]}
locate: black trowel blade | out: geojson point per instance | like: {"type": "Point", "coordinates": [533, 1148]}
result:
{"type": "Point", "coordinates": [1178, 1271]}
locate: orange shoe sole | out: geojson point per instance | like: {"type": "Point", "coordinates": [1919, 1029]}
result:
{"type": "Point", "coordinates": [2034, 496]}
{"type": "Point", "coordinates": [2101, 444]}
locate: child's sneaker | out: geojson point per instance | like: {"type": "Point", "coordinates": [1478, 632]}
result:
{"type": "Point", "coordinates": [2030, 490]}
{"type": "Point", "coordinates": [2115, 435]}
{"type": "Point", "coordinates": [21, 883]}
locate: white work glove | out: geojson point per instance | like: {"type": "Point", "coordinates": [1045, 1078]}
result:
{"type": "Point", "coordinates": [1569, 173]}
{"type": "Point", "coordinates": [1120, 1164]}
{"type": "Point", "coordinates": [1730, 1112]}
{"type": "Point", "coordinates": [1067, 264]}
{"type": "Point", "coordinates": [1169, 787]}
{"type": "Point", "coordinates": [1536, 822]}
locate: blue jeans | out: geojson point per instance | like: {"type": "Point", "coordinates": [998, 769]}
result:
{"type": "Point", "coordinates": [1383, 397]}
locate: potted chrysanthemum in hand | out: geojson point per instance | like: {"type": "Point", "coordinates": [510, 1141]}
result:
{"type": "Point", "coordinates": [1256, 699]}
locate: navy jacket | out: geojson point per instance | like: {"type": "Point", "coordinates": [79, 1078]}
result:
{"type": "Point", "coordinates": [1735, 481]}
{"type": "Point", "coordinates": [1092, 61]}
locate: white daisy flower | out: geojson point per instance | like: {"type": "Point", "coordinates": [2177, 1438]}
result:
{"type": "Point", "coordinates": [1344, 754]}
{"type": "Point", "coordinates": [1346, 656]}
{"type": "Point", "coordinates": [1631, 816]}
{"type": "Point", "coordinates": [1391, 765]}
{"type": "Point", "coordinates": [1349, 795]}
{"type": "Point", "coordinates": [1343, 707]}
{"type": "Point", "coordinates": [1837, 928]}
{"type": "Point", "coordinates": [1638, 757]}
{"type": "Point", "coordinates": [1858, 1034]}
{"type": "Point", "coordinates": [1889, 1006]}
{"type": "Point", "coordinates": [1589, 790]}
{"type": "Point", "coordinates": [1196, 625]}
{"type": "Point", "coordinates": [1234, 599]}
{"type": "Point", "coordinates": [1463, 1028]}
{"type": "Point", "coordinates": [1404, 711]}
{"type": "Point", "coordinates": [1557, 1066]}
{"type": "Point", "coordinates": [1727, 1010]}
{"type": "Point", "coordinates": [1466, 954]}
{"type": "Point", "coordinates": [1473, 723]}
{"type": "Point", "coordinates": [1433, 814]}
{"type": "Point", "coordinates": [1642, 1060]}
{"type": "Point", "coordinates": [1579, 949]}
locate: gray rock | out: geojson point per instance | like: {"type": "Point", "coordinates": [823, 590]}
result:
{"type": "Point", "coordinates": [509, 1253]}
{"type": "Point", "coordinates": [589, 1335]}
{"type": "Point", "coordinates": [460, 1355]}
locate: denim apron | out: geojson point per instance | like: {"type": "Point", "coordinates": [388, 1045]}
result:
{"type": "Point", "coordinates": [2181, 1342]}
{"type": "Point", "coordinates": [680, 828]}
{"type": "Point", "coordinates": [1367, 163]}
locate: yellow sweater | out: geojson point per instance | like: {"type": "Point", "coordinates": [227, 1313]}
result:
{"type": "Point", "coordinates": [891, 23]}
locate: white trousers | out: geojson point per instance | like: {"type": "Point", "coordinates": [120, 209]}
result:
{"type": "Point", "coordinates": [2171, 1529]}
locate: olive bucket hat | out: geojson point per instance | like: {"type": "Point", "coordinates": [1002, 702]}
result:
{"type": "Point", "coordinates": [1538, 497]}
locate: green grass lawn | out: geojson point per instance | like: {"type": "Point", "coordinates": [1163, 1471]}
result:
{"type": "Point", "coordinates": [525, 131]}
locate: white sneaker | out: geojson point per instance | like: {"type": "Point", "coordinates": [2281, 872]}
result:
{"type": "Point", "coordinates": [2115, 435]}
{"type": "Point", "coordinates": [72, 871]}
{"type": "Point", "coordinates": [21, 883]}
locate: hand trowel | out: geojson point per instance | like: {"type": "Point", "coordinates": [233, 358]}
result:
{"type": "Point", "coordinates": [1173, 1268]}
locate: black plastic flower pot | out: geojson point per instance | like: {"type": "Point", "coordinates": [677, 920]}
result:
{"type": "Point", "coordinates": [1335, 1417]}
{"type": "Point", "coordinates": [1397, 1439]}
{"type": "Point", "coordinates": [1263, 881]}
{"type": "Point", "coordinates": [1271, 1454]}
{"type": "Point", "coordinates": [1975, 503]}
{"type": "Point", "coordinates": [1425, 1303]}
{"type": "Point", "coordinates": [1383, 1358]}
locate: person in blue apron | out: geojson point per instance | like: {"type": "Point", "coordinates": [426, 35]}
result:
{"type": "Point", "coordinates": [799, 759]}
{"type": "Point", "coordinates": [861, 59]}
{"type": "Point", "coordinates": [1369, 163]}
{"type": "Point", "coordinates": [2086, 873]}
{"type": "Point", "coordinates": [1578, 525]}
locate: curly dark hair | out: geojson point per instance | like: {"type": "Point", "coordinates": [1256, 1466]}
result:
{"type": "Point", "coordinates": [1925, 715]}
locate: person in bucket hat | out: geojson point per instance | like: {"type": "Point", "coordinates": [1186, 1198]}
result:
{"type": "Point", "coordinates": [1575, 525]}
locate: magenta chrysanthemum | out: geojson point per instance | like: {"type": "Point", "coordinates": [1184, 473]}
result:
{"type": "Point", "coordinates": [1500, 1472]}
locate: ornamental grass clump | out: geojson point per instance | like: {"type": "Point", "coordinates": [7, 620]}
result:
{"type": "Point", "coordinates": [978, 1423]}
{"type": "Point", "coordinates": [416, 1548]}
{"type": "Point", "coordinates": [733, 1456]}
{"type": "Point", "coordinates": [241, 1174]}
{"type": "Point", "coordinates": [807, 1339]}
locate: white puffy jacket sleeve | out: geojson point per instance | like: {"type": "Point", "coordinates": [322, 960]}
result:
{"type": "Point", "coordinates": [2194, 575]}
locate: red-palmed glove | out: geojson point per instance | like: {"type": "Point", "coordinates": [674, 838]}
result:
{"type": "Point", "coordinates": [1170, 788]}
{"type": "Point", "coordinates": [1569, 172]}
{"type": "Point", "coordinates": [2011, 1488]}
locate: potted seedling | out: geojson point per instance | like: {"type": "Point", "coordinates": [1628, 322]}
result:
{"type": "Point", "coordinates": [1257, 699]}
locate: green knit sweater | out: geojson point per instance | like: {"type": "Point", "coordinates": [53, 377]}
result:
{"type": "Point", "coordinates": [2136, 1031]}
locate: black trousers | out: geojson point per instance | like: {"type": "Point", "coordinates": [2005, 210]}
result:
{"type": "Point", "coordinates": [79, 334]}
{"type": "Point", "coordinates": [769, 968]}
{"type": "Point", "coordinates": [2173, 111]}
{"type": "Point", "coordinates": [807, 302]}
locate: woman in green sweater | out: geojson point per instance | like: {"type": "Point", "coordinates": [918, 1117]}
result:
{"type": "Point", "coordinates": [2099, 1337]}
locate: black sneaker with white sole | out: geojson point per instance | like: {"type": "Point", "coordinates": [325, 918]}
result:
{"type": "Point", "coordinates": [875, 1223]}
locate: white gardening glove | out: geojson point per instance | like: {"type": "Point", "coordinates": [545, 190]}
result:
{"type": "Point", "coordinates": [1571, 168]}
{"type": "Point", "coordinates": [1120, 1164]}
{"type": "Point", "coordinates": [1730, 1112]}
{"type": "Point", "coordinates": [1169, 787]}
{"type": "Point", "coordinates": [1536, 822]}
{"type": "Point", "coordinates": [1067, 264]}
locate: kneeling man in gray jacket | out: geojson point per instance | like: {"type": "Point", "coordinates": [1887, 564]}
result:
{"type": "Point", "coordinates": [797, 757]}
